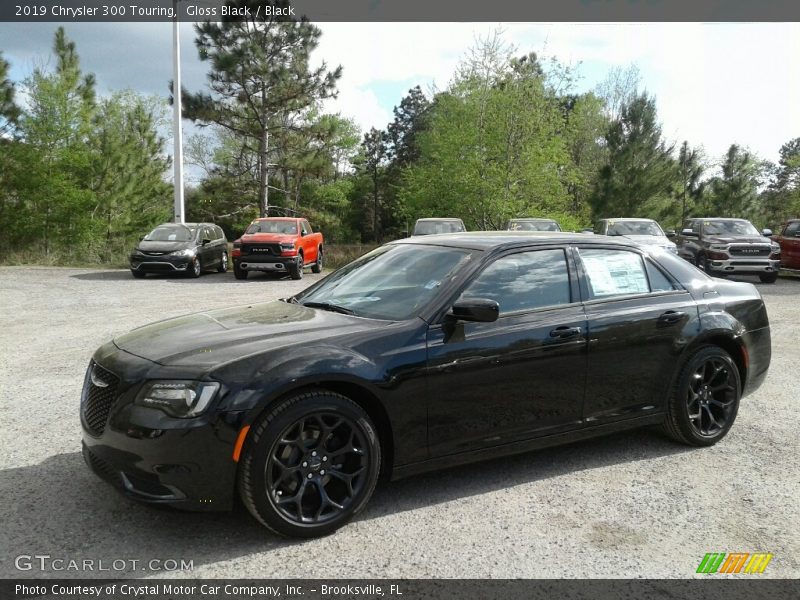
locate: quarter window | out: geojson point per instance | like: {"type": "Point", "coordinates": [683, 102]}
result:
{"type": "Point", "coordinates": [613, 272]}
{"type": "Point", "coordinates": [524, 281]}
{"type": "Point", "coordinates": [792, 229]}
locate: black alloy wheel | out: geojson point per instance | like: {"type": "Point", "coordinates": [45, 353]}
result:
{"type": "Point", "coordinates": [195, 268]}
{"type": "Point", "coordinates": [312, 464]}
{"type": "Point", "coordinates": [296, 268]}
{"type": "Point", "coordinates": [317, 267]}
{"type": "Point", "coordinates": [223, 263]}
{"type": "Point", "coordinates": [705, 400]}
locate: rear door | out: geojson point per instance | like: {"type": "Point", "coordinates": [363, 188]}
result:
{"type": "Point", "coordinates": [637, 316]}
{"type": "Point", "coordinates": [519, 377]}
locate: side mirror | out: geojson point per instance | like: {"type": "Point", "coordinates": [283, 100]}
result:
{"type": "Point", "coordinates": [766, 232]}
{"type": "Point", "coordinates": [206, 241]}
{"type": "Point", "coordinates": [688, 233]}
{"type": "Point", "coordinates": [480, 310]}
{"type": "Point", "coordinates": [670, 233]}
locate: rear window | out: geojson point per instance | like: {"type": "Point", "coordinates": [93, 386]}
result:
{"type": "Point", "coordinates": [434, 227]}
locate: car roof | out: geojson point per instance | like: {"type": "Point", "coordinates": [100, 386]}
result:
{"type": "Point", "coordinates": [439, 219]}
{"type": "Point", "coordinates": [716, 219]}
{"type": "Point", "coordinates": [491, 240]}
{"type": "Point", "coordinates": [533, 219]}
{"type": "Point", "coordinates": [278, 218]}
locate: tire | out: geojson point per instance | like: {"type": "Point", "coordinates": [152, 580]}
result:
{"type": "Point", "coordinates": [700, 387]}
{"type": "Point", "coordinates": [137, 274]}
{"type": "Point", "coordinates": [239, 273]}
{"type": "Point", "coordinates": [223, 263]}
{"type": "Point", "coordinates": [196, 268]}
{"type": "Point", "coordinates": [296, 268]}
{"type": "Point", "coordinates": [317, 267]}
{"type": "Point", "coordinates": [768, 277]}
{"type": "Point", "coordinates": [282, 477]}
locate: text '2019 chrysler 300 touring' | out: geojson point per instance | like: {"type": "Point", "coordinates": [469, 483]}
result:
{"type": "Point", "coordinates": [425, 353]}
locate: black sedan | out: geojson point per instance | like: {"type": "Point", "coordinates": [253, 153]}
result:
{"type": "Point", "coordinates": [425, 353]}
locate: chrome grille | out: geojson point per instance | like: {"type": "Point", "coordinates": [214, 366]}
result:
{"type": "Point", "coordinates": [749, 250]}
{"type": "Point", "coordinates": [99, 393]}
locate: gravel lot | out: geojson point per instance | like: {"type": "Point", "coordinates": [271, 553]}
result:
{"type": "Point", "coordinates": [630, 505]}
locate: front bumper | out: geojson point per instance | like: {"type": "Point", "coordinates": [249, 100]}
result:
{"type": "Point", "coordinates": [154, 458]}
{"type": "Point", "coordinates": [279, 264]}
{"type": "Point", "coordinates": [161, 264]}
{"type": "Point", "coordinates": [745, 265]}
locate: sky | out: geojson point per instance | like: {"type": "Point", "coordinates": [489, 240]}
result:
{"type": "Point", "coordinates": [715, 84]}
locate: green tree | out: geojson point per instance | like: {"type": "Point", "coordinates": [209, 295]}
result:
{"type": "Point", "coordinates": [640, 175]}
{"type": "Point", "coordinates": [260, 79]}
{"type": "Point", "coordinates": [9, 111]}
{"type": "Point", "coordinates": [735, 192]}
{"type": "Point", "coordinates": [691, 168]}
{"type": "Point", "coordinates": [781, 199]}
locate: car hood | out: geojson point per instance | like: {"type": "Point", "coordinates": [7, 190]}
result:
{"type": "Point", "coordinates": [652, 240]}
{"type": "Point", "coordinates": [266, 238]}
{"type": "Point", "coordinates": [744, 239]}
{"type": "Point", "coordinates": [212, 338]}
{"type": "Point", "coordinates": [145, 246]}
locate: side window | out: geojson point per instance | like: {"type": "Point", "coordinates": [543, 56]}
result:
{"type": "Point", "coordinates": [792, 229]}
{"type": "Point", "coordinates": [598, 227]}
{"type": "Point", "coordinates": [658, 281]}
{"type": "Point", "coordinates": [220, 233]}
{"type": "Point", "coordinates": [306, 227]}
{"type": "Point", "coordinates": [613, 272]}
{"type": "Point", "coordinates": [696, 226]}
{"type": "Point", "coordinates": [524, 281]}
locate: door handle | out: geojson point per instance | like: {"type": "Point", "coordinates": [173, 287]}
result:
{"type": "Point", "coordinates": [564, 332]}
{"type": "Point", "coordinates": [671, 317]}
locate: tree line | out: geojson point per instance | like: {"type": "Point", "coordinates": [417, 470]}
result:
{"type": "Point", "coordinates": [82, 178]}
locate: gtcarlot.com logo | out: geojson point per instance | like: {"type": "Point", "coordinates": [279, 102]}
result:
{"type": "Point", "coordinates": [46, 562]}
{"type": "Point", "coordinates": [734, 562]}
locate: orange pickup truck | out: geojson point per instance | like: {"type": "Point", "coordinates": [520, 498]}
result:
{"type": "Point", "coordinates": [789, 240]}
{"type": "Point", "coordinates": [278, 245]}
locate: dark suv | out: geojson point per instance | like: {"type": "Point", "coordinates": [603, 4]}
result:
{"type": "Point", "coordinates": [729, 246]}
{"type": "Point", "coordinates": [187, 248]}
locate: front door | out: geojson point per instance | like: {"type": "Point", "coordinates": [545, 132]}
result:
{"type": "Point", "coordinates": [519, 377]}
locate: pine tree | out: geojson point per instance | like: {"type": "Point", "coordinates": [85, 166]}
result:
{"type": "Point", "coordinates": [9, 111]}
{"type": "Point", "coordinates": [260, 79]}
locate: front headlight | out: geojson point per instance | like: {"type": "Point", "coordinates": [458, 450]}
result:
{"type": "Point", "coordinates": [672, 248]}
{"type": "Point", "coordinates": [182, 399]}
{"type": "Point", "coordinates": [775, 247]}
{"type": "Point", "coordinates": [287, 247]}
{"type": "Point", "coordinates": [189, 252]}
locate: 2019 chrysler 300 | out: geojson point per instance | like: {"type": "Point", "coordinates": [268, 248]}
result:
{"type": "Point", "coordinates": [425, 353]}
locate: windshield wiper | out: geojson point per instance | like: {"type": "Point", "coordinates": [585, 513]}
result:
{"type": "Point", "coordinates": [330, 307]}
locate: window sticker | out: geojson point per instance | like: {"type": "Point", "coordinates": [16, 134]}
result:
{"type": "Point", "coordinates": [614, 273]}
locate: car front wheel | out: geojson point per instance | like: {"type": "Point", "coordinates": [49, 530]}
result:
{"type": "Point", "coordinates": [705, 398]}
{"type": "Point", "coordinates": [223, 263]}
{"type": "Point", "coordinates": [195, 268]}
{"type": "Point", "coordinates": [768, 277]}
{"type": "Point", "coordinates": [311, 464]}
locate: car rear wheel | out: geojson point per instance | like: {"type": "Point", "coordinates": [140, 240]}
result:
{"type": "Point", "coordinates": [223, 263]}
{"type": "Point", "coordinates": [768, 277]}
{"type": "Point", "coordinates": [138, 274]}
{"type": "Point", "coordinates": [705, 399]}
{"type": "Point", "coordinates": [317, 268]}
{"type": "Point", "coordinates": [310, 464]}
{"type": "Point", "coordinates": [239, 273]}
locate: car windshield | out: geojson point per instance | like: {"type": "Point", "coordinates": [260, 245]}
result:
{"type": "Point", "coordinates": [273, 226]}
{"type": "Point", "coordinates": [634, 228]}
{"type": "Point", "coordinates": [171, 233]}
{"type": "Point", "coordinates": [393, 282]}
{"type": "Point", "coordinates": [534, 226]}
{"type": "Point", "coordinates": [433, 227]}
{"type": "Point", "coordinates": [729, 228]}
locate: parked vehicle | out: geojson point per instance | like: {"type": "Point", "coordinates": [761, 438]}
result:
{"type": "Point", "coordinates": [532, 224]}
{"type": "Point", "coordinates": [729, 246]}
{"type": "Point", "coordinates": [278, 245]}
{"type": "Point", "coordinates": [789, 241]}
{"type": "Point", "coordinates": [642, 231]}
{"type": "Point", "coordinates": [189, 248]}
{"type": "Point", "coordinates": [434, 226]}
{"type": "Point", "coordinates": [424, 353]}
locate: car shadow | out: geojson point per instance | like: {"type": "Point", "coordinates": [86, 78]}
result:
{"type": "Point", "coordinates": [66, 511]}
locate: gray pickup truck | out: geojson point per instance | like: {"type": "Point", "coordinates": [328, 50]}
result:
{"type": "Point", "coordinates": [729, 246]}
